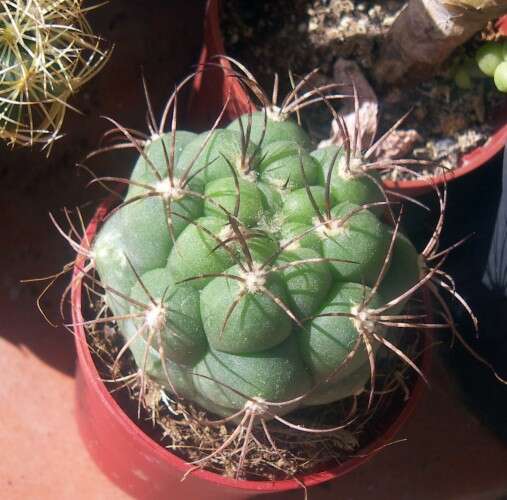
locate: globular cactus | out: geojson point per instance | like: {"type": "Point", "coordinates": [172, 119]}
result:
{"type": "Point", "coordinates": [250, 273]}
{"type": "Point", "coordinates": [47, 52]}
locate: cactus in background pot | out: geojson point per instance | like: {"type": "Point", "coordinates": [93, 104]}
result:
{"type": "Point", "coordinates": [48, 51]}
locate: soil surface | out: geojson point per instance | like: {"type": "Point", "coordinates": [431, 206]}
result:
{"type": "Point", "coordinates": [300, 35]}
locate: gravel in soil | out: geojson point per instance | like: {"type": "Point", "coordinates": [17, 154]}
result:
{"type": "Point", "coordinates": [299, 35]}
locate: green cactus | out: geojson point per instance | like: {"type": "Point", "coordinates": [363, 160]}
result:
{"type": "Point", "coordinates": [245, 271]}
{"type": "Point", "coordinates": [251, 275]}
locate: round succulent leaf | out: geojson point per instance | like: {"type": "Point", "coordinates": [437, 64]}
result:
{"type": "Point", "coordinates": [181, 330]}
{"type": "Point", "coordinates": [223, 194]}
{"type": "Point", "coordinates": [359, 238]}
{"type": "Point", "coordinates": [271, 131]}
{"type": "Point", "coordinates": [195, 252]}
{"type": "Point", "coordinates": [281, 166]}
{"type": "Point", "coordinates": [327, 340]}
{"type": "Point", "coordinates": [488, 57]}
{"type": "Point", "coordinates": [256, 323]}
{"type": "Point", "coordinates": [501, 77]}
{"type": "Point", "coordinates": [171, 216]}
{"type": "Point", "coordinates": [307, 284]}
{"type": "Point", "coordinates": [277, 374]}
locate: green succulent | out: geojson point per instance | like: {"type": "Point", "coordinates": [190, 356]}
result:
{"type": "Point", "coordinates": [252, 271]}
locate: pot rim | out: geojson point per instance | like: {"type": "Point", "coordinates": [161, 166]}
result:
{"type": "Point", "coordinates": [89, 370]}
{"type": "Point", "coordinates": [214, 45]}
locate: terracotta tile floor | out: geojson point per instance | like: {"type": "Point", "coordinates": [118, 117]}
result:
{"type": "Point", "coordinates": [448, 455]}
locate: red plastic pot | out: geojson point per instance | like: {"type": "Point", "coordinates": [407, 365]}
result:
{"type": "Point", "coordinates": [145, 469]}
{"type": "Point", "coordinates": [211, 89]}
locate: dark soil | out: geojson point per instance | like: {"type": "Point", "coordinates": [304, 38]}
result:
{"type": "Point", "coordinates": [300, 35]}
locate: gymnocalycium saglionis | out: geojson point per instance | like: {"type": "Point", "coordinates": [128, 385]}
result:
{"type": "Point", "coordinates": [251, 274]}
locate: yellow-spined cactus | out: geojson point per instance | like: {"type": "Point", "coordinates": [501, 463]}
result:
{"type": "Point", "coordinates": [47, 52]}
